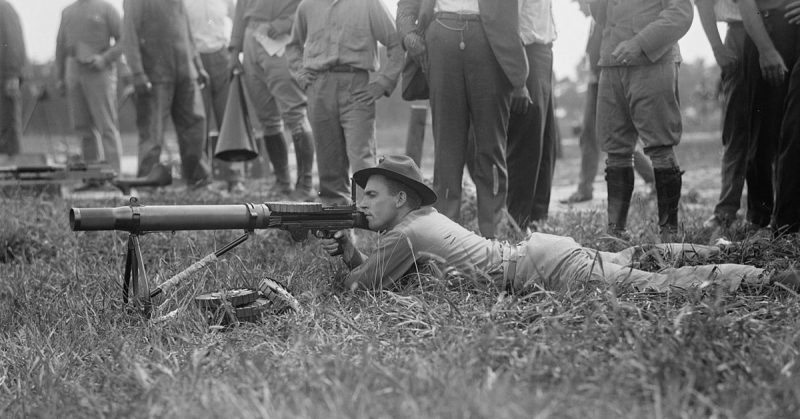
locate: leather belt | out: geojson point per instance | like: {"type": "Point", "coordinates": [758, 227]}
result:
{"type": "Point", "coordinates": [344, 68]}
{"type": "Point", "coordinates": [457, 16]}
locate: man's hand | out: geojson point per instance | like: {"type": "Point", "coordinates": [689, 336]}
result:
{"type": "Point", "coordinates": [141, 84]}
{"type": "Point", "coordinates": [627, 52]}
{"type": "Point", "coordinates": [415, 46]}
{"type": "Point", "coordinates": [793, 12]}
{"type": "Point", "coordinates": [520, 100]}
{"type": "Point", "coordinates": [306, 78]}
{"type": "Point", "coordinates": [234, 63]}
{"type": "Point", "coordinates": [340, 244]}
{"type": "Point", "coordinates": [773, 69]}
{"type": "Point", "coordinates": [11, 87]}
{"type": "Point", "coordinates": [272, 32]}
{"type": "Point", "coordinates": [725, 57]}
{"type": "Point", "coordinates": [97, 63]}
{"type": "Point", "coordinates": [368, 96]}
{"type": "Point", "coordinates": [202, 77]}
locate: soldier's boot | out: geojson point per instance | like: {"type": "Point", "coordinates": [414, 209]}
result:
{"type": "Point", "coordinates": [619, 181]}
{"type": "Point", "coordinates": [668, 193]}
{"type": "Point", "coordinates": [279, 157]}
{"type": "Point", "coordinates": [304, 154]}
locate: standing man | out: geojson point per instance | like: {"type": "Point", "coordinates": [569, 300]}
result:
{"type": "Point", "coordinates": [12, 60]}
{"type": "Point", "coordinates": [590, 149]}
{"type": "Point", "coordinates": [261, 30]}
{"type": "Point", "coordinates": [772, 73]}
{"type": "Point", "coordinates": [531, 152]}
{"type": "Point", "coordinates": [87, 49]}
{"type": "Point", "coordinates": [638, 98]}
{"type": "Point", "coordinates": [735, 128]}
{"type": "Point", "coordinates": [334, 55]}
{"type": "Point", "coordinates": [210, 21]}
{"type": "Point", "coordinates": [167, 74]}
{"type": "Point", "coordinates": [476, 67]}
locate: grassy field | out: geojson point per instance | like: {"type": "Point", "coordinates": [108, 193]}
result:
{"type": "Point", "coordinates": [437, 348]}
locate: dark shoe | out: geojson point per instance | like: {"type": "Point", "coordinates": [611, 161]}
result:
{"type": "Point", "coordinates": [668, 192]}
{"type": "Point", "coordinates": [577, 197]}
{"type": "Point", "coordinates": [619, 181]}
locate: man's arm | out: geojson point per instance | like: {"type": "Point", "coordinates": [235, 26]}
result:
{"type": "Point", "coordinates": [294, 51]}
{"type": "Point", "coordinates": [658, 37]}
{"type": "Point", "coordinates": [384, 31]}
{"type": "Point", "coordinates": [130, 42]}
{"type": "Point", "coordinates": [237, 32]}
{"type": "Point", "coordinates": [773, 69]}
{"type": "Point", "coordinates": [114, 23]}
{"type": "Point", "coordinates": [724, 56]}
{"type": "Point", "coordinates": [393, 258]}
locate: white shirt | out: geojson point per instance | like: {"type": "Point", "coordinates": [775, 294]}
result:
{"type": "Point", "coordinates": [210, 21]}
{"type": "Point", "coordinates": [458, 6]}
{"type": "Point", "coordinates": [536, 23]}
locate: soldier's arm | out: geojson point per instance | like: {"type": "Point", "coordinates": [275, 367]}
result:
{"type": "Point", "coordinates": [130, 38]}
{"type": "Point", "coordinates": [658, 37]}
{"type": "Point", "coordinates": [114, 23]}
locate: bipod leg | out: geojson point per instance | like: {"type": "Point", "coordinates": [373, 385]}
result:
{"type": "Point", "coordinates": [136, 277]}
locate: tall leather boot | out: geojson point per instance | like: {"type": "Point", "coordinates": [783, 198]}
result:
{"type": "Point", "coordinates": [304, 154]}
{"type": "Point", "coordinates": [279, 157]}
{"type": "Point", "coordinates": [668, 192]}
{"type": "Point", "coordinates": [619, 181]}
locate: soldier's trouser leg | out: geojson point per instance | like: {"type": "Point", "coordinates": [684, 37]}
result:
{"type": "Point", "coordinates": [188, 116]}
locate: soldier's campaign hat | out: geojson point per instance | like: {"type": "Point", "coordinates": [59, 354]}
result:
{"type": "Point", "coordinates": [402, 169]}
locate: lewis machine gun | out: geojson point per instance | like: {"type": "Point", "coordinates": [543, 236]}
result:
{"type": "Point", "coordinates": [299, 219]}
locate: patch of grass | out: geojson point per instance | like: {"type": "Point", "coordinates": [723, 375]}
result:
{"type": "Point", "coordinates": [436, 348]}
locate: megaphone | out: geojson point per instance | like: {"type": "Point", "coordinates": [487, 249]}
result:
{"type": "Point", "coordinates": [236, 141]}
{"type": "Point", "coordinates": [160, 175]}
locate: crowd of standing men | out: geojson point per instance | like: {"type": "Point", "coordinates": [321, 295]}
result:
{"type": "Point", "coordinates": [312, 66]}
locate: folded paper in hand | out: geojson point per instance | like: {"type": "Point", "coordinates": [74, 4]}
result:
{"type": "Point", "coordinates": [274, 47]}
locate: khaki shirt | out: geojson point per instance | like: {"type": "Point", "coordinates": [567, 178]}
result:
{"type": "Point", "coordinates": [424, 236]}
{"type": "Point", "coordinates": [656, 25]}
{"type": "Point", "coordinates": [279, 14]}
{"type": "Point", "coordinates": [88, 26]}
{"type": "Point", "coordinates": [345, 32]}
